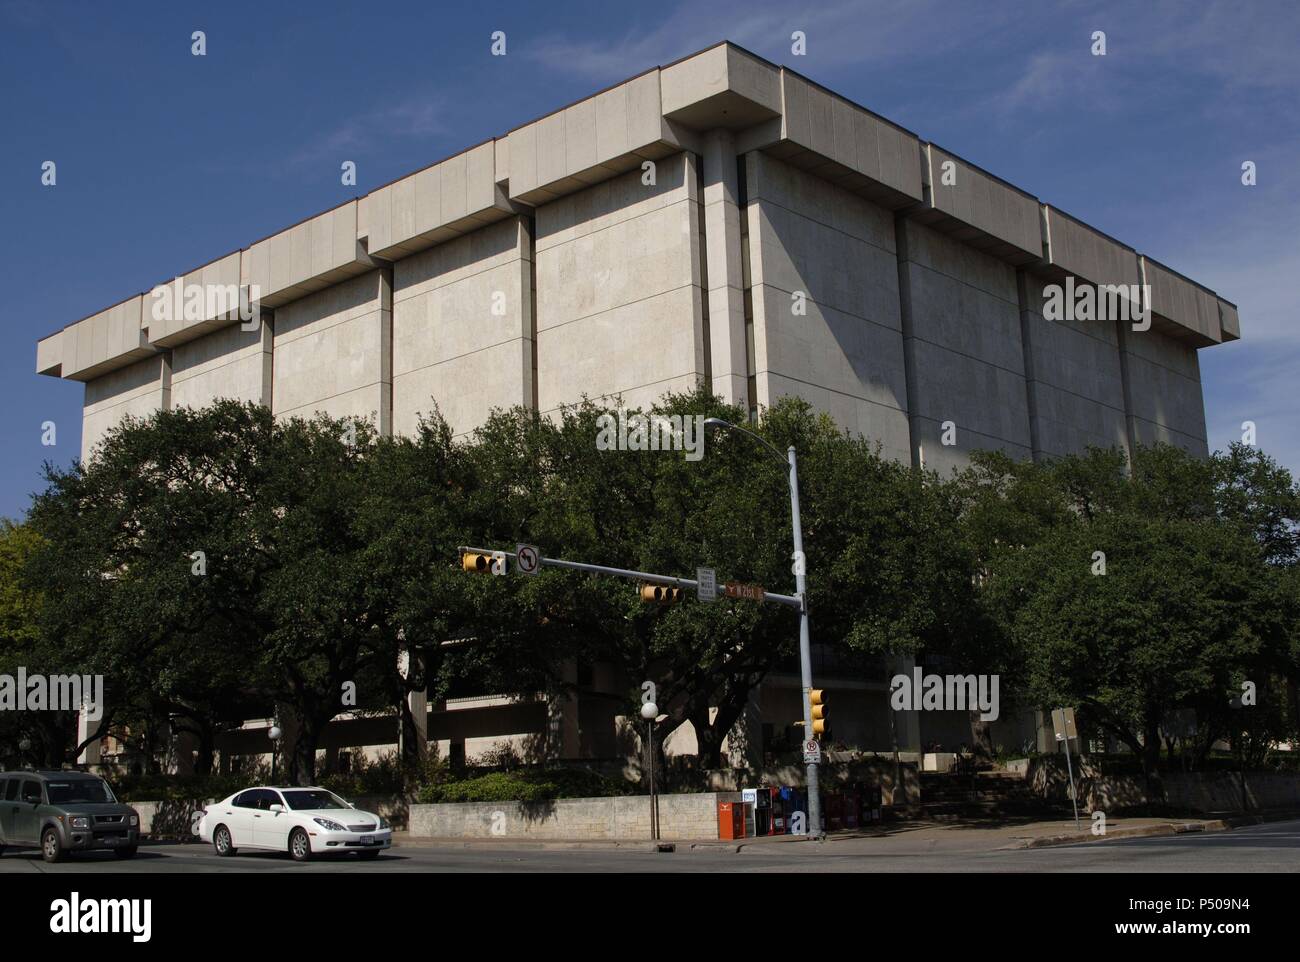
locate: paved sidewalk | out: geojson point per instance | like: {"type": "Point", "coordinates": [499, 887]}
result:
{"type": "Point", "coordinates": [891, 838]}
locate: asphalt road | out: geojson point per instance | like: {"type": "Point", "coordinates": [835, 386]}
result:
{"type": "Point", "coordinates": [1260, 848]}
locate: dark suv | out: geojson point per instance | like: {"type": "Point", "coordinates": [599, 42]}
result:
{"type": "Point", "coordinates": [62, 812]}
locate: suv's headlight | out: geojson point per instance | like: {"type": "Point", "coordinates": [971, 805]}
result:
{"type": "Point", "coordinates": [81, 821]}
{"type": "Point", "coordinates": [383, 822]}
{"type": "Point", "coordinates": [135, 819]}
{"type": "Point", "coordinates": [329, 825]}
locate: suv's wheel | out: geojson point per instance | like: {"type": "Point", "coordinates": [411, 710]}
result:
{"type": "Point", "coordinates": [222, 842]}
{"type": "Point", "coordinates": [299, 845]}
{"type": "Point", "coordinates": [51, 845]}
{"type": "Point", "coordinates": [125, 852]}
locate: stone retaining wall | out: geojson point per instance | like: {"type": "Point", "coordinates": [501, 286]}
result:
{"type": "Point", "coordinates": [692, 816]}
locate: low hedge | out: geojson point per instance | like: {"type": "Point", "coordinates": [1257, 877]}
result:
{"type": "Point", "coordinates": [534, 785]}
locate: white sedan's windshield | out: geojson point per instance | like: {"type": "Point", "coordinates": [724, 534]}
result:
{"type": "Point", "coordinates": [310, 799]}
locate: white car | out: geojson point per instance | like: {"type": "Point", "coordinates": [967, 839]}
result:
{"type": "Point", "coordinates": [301, 821]}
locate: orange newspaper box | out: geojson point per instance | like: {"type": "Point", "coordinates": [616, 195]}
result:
{"type": "Point", "coordinates": [731, 820]}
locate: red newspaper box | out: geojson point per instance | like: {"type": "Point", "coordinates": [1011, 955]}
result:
{"type": "Point", "coordinates": [731, 820]}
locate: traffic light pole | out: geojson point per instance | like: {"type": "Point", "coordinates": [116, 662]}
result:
{"type": "Point", "coordinates": [800, 586]}
{"type": "Point", "coordinates": [805, 646]}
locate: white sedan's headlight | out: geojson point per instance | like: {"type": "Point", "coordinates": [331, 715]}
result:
{"type": "Point", "coordinates": [329, 825]}
{"type": "Point", "coordinates": [81, 822]}
{"type": "Point", "coordinates": [383, 822]}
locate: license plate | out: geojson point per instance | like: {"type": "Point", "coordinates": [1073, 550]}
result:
{"type": "Point", "coordinates": [367, 839]}
{"type": "Point", "coordinates": [111, 840]}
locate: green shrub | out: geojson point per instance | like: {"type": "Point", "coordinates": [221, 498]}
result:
{"type": "Point", "coordinates": [386, 775]}
{"type": "Point", "coordinates": [537, 785]}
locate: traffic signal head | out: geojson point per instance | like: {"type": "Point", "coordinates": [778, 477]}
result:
{"type": "Point", "coordinates": [818, 699]}
{"type": "Point", "coordinates": [660, 594]}
{"type": "Point", "coordinates": [483, 563]}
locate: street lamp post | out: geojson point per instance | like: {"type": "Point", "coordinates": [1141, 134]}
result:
{"type": "Point", "coordinates": [274, 733]}
{"type": "Point", "coordinates": [650, 711]}
{"type": "Point", "coordinates": [800, 582]}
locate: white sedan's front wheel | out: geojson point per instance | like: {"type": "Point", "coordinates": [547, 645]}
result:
{"type": "Point", "coordinates": [222, 842]}
{"type": "Point", "coordinates": [299, 845]}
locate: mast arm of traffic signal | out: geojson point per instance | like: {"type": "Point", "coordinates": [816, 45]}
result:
{"type": "Point", "coordinates": [648, 577]}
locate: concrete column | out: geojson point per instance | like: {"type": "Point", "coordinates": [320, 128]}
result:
{"type": "Point", "coordinates": [418, 703]}
{"type": "Point", "coordinates": [562, 710]}
{"type": "Point", "coordinates": [724, 287]}
{"type": "Point", "coordinates": [90, 754]}
{"type": "Point", "coordinates": [907, 724]}
{"type": "Point", "coordinates": [745, 740]}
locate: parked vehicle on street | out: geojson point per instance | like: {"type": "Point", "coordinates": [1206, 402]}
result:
{"type": "Point", "coordinates": [62, 812]}
{"type": "Point", "coordinates": [301, 821]}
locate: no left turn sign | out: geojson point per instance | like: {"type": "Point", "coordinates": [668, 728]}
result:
{"type": "Point", "coordinates": [528, 559]}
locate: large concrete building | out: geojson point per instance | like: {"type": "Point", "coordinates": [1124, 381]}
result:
{"type": "Point", "coordinates": [719, 219]}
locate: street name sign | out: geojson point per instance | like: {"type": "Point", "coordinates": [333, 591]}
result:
{"type": "Point", "coordinates": [735, 589]}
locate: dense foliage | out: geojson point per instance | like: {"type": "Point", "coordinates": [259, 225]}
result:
{"type": "Point", "coordinates": [219, 564]}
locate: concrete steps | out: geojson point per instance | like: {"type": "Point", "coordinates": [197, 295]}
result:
{"type": "Point", "coordinates": [952, 796]}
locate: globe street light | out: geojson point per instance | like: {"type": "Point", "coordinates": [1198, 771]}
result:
{"type": "Point", "coordinates": [800, 581]}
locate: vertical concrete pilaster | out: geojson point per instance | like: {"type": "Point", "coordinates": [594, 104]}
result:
{"type": "Point", "coordinates": [909, 350]}
{"type": "Point", "coordinates": [385, 425]}
{"type": "Point", "coordinates": [907, 724]}
{"type": "Point", "coordinates": [724, 291]}
{"type": "Point", "coordinates": [1130, 422]}
{"type": "Point", "coordinates": [1027, 313]}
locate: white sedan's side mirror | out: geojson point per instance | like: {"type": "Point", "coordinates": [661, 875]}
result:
{"type": "Point", "coordinates": [277, 808]}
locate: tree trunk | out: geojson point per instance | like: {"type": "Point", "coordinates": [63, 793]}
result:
{"type": "Point", "coordinates": [207, 748]}
{"type": "Point", "coordinates": [301, 761]}
{"type": "Point", "coordinates": [1151, 757]}
{"type": "Point", "coordinates": [708, 741]}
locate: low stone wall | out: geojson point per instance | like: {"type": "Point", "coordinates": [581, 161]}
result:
{"type": "Point", "coordinates": [169, 819]}
{"type": "Point", "coordinates": [691, 816]}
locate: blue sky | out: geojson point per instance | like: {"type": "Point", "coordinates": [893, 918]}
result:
{"type": "Point", "coordinates": [166, 160]}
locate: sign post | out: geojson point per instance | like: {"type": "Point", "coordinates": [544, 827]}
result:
{"type": "Point", "coordinates": [1063, 725]}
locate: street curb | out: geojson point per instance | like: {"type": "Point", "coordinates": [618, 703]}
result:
{"type": "Point", "coordinates": [1146, 831]}
{"type": "Point", "coordinates": [1225, 824]}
